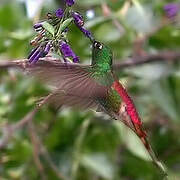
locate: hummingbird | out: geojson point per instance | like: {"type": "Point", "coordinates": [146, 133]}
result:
{"type": "Point", "coordinates": [93, 86]}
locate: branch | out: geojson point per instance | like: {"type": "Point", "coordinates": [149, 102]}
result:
{"type": "Point", "coordinates": [150, 58]}
{"type": "Point", "coordinates": [127, 62]}
{"type": "Point", "coordinates": [40, 149]}
{"type": "Point", "coordinates": [36, 151]}
{"type": "Point", "coordinates": [108, 13]}
{"type": "Point", "coordinates": [9, 130]}
{"type": "Point", "coordinates": [46, 155]}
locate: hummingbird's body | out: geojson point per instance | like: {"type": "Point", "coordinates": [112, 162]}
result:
{"type": "Point", "coordinates": [116, 97]}
{"type": "Point", "coordinates": [92, 86]}
{"type": "Point", "coordinates": [89, 86]}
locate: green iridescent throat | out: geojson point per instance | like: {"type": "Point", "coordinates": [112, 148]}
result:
{"type": "Point", "coordinates": [102, 60]}
{"type": "Point", "coordinates": [102, 65]}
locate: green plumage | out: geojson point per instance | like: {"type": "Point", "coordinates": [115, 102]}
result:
{"type": "Point", "coordinates": [112, 101]}
{"type": "Point", "coordinates": [101, 66]}
{"type": "Point", "coordinates": [101, 59]}
{"type": "Point", "coordinates": [102, 72]}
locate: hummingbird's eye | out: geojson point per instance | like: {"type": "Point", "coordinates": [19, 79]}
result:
{"type": "Point", "coordinates": [98, 45]}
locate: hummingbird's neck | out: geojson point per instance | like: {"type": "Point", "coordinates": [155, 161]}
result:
{"type": "Point", "coordinates": [101, 66]}
{"type": "Point", "coordinates": [102, 62]}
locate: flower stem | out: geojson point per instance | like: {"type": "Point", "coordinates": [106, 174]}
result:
{"type": "Point", "coordinates": [65, 22]}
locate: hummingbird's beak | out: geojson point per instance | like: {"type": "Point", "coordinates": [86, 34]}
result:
{"type": "Point", "coordinates": [92, 39]}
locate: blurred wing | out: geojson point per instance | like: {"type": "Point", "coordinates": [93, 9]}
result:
{"type": "Point", "coordinates": [60, 98]}
{"type": "Point", "coordinates": [73, 79]}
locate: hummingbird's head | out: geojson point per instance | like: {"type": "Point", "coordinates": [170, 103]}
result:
{"type": "Point", "coordinates": [101, 55]}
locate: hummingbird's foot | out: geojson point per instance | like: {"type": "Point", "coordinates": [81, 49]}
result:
{"type": "Point", "coordinates": [44, 100]}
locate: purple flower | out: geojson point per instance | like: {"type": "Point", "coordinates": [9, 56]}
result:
{"type": "Point", "coordinates": [47, 48]}
{"type": "Point", "coordinates": [78, 19]}
{"type": "Point", "coordinates": [32, 52]}
{"type": "Point", "coordinates": [35, 55]}
{"type": "Point", "coordinates": [37, 25]}
{"type": "Point", "coordinates": [68, 52]}
{"type": "Point", "coordinates": [39, 52]}
{"type": "Point", "coordinates": [59, 13]}
{"type": "Point", "coordinates": [70, 2]}
{"type": "Point", "coordinates": [172, 9]}
{"type": "Point", "coordinates": [76, 59]}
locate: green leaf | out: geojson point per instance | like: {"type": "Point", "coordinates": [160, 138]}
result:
{"type": "Point", "coordinates": [21, 34]}
{"type": "Point", "coordinates": [99, 164]}
{"type": "Point", "coordinates": [48, 27]}
{"type": "Point", "coordinates": [162, 96]}
{"type": "Point", "coordinates": [65, 24]}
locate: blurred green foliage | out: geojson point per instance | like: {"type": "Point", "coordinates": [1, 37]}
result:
{"type": "Point", "coordinates": [84, 145]}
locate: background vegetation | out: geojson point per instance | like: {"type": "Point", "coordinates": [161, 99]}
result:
{"type": "Point", "coordinates": [85, 145]}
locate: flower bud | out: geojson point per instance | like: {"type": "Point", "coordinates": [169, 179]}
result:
{"type": "Point", "coordinates": [78, 19]}
{"type": "Point", "coordinates": [35, 55]}
{"type": "Point", "coordinates": [68, 52]}
{"type": "Point", "coordinates": [59, 13]}
{"type": "Point", "coordinates": [70, 2]}
{"type": "Point", "coordinates": [37, 25]}
{"type": "Point", "coordinates": [76, 59]}
{"type": "Point", "coordinates": [47, 48]}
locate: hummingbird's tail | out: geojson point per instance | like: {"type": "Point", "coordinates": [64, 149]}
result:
{"type": "Point", "coordinates": [140, 132]}
{"type": "Point", "coordinates": [130, 117]}
{"type": "Point", "coordinates": [154, 158]}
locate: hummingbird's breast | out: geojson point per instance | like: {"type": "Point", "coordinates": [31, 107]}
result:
{"type": "Point", "coordinates": [112, 101]}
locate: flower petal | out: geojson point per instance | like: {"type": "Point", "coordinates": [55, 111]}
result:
{"type": "Point", "coordinates": [70, 2]}
{"type": "Point", "coordinates": [59, 13]}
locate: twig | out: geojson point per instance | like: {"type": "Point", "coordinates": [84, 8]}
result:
{"type": "Point", "coordinates": [36, 151]}
{"type": "Point", "coordinates": [141, 39]}
{"type": "Point", "coordinates": [9, 130]}
{"type": "Point", "coordinates": [134, 61]}
{"type": "Point", "coordinates": [51, 164]}
{"type": "Point", "coordinates": [43, 151]}
{"type": "Point", "coordinates": [108, 13]}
